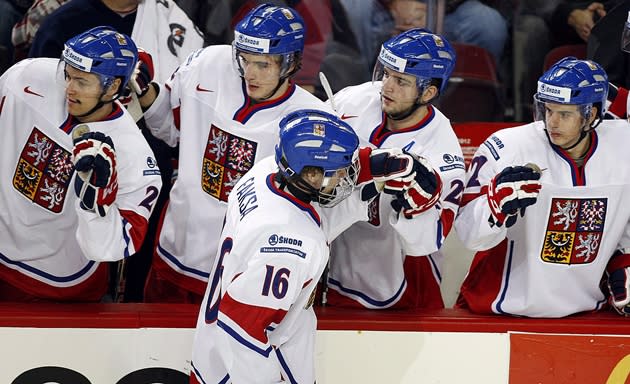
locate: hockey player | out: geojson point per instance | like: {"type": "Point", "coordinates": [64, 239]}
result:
{"type": "Point", "coordinates": [79, 180]}
{"type": "Point", "coordinates": [244, 90]}
{"type": "Point", "coordinates": [256, 322]}
{"type": "Point", "coordinates": [388, 261]}
{"type": "Point", "coordinates": [569, 169]}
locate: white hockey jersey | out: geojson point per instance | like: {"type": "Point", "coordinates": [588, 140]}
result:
{"type": "Point", "coordinates": [221, 133]}
{"type": "Point", "coordinates": [164, 30]}
{"type": "Point", "coordinates": [256, 322]}
{"type": "Point", "coordinates": [550, 263]}
{"type": "Point", "coordinates": [49, 246]}
{"type": "Point", "coordinates": [367, 259]}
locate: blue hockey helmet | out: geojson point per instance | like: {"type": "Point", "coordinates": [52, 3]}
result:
{"type": "Point", "coordinates": [273, 30]}
{"type": "Point", "coordinates": [313, 138]}
{"type": "Point", "coordinates": [576, 82]}
{"type": "Point", "coordinates": [103, 51]}
{"type": "Point", "coordinates": [420, 53]}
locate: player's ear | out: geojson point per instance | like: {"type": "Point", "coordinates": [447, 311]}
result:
{"type": "Point", "coordinates": [113, 88]}
{"type": "Point", "coordinates": [429, 93]}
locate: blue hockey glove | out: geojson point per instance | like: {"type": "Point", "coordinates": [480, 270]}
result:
{"type": "Point", "coordinates": [388, 170]}
{"type": "Point", "coordinates": [421, 194]}
{"type": "Point", "coordinates": [96, 183]}
{"type": "Point", "coordinates": [511, 191]}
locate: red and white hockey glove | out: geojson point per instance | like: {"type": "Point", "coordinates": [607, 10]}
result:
{"type": "Point", "coordinates": [423, 193]}
{"type": "Point", "coordinates": [511, 191]}
{"type": "Point", "coordinates": [142, 74]}
{"type": "Point", "coordinates": [618, 279]}
{"type": "Point", "coordinates": [96, 183]}
{"type": "Point", "coordinates": [387, 170]}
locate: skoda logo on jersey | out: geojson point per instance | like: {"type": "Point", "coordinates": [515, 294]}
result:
{"type": "Point", "coordinates": [397, 63]}
{"type": "Point", "coordinates": [275, 240]}
{"type": "Point", "coordinates": [561, 94]}
{"type": "Point", "coordinates": [151, 163]}
{"type": "Point", "coordinates": [76, 60]}
{"type": "Point", "coordinates": [251, 43]}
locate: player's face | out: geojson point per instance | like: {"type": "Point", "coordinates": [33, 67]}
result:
{"type": "Point", "coordinates": [83, 90]}
{"type": "Point", "coordinates": [564, 124]}
{"type": "Point", "coordinates": [332, 181]}
{"type": "Point", "coordinates": [261, 74]}
{"type": "Point", "coordinates": [399, 92]}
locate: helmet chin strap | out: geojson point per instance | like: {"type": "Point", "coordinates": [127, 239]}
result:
{"type": "Point", "coordinates": [405, 114]}
{"type": "Point", "coordinates": [583, 134]}
{"type": "Point", "coordinates": [99, 104]}
{"type": "Point", "coordinates": [273, 92]}
{"type": "Point", "coordinates": [298, 188]}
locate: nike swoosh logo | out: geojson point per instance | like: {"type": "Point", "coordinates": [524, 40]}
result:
{"type": "Point", "coordinates": [203, 89]}
{"type": "Point", "coordinates": [344, 116]}
{"type": "Point", "coordinates": [27, 89]}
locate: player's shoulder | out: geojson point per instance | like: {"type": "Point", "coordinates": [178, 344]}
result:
{"type": "Point", "coordinates": [203, 61]}
{"type": "Point", "coordinates": [358, 93]}
{"type": "Point", "coordinates": [32, 76]}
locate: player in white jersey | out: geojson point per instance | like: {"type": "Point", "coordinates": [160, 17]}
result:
{"type": "Point", "coordinates": [256, 322]}
{"type": "Point", "coordinates": [79, 180]}
{"type": "Point", "coordinates": [570, 170]}
{"type": "Point", "coordinates": [389, 261]}
{"type": "Point", "coordinates": [248, 88]}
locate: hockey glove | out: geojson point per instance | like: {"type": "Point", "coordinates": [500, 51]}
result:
{"type": "Point", "coordinates": [619, 284]}
{"type": "Point", "coordinates": [511, 191]}
{"type": "Point", "coordinates": [96, 183]}
{"type": "Point", "coordinates": [389, 170]}
{"type": "Point", "coordinates": [142, 74]}
{"type": "Point", "coordinates": [423, 193]}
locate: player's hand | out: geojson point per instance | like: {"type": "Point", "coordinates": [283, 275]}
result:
{"type": "Point", "coordinates": [619, 288]}
{"type": "Point", "coordinates": [142, 77]}
{"type": "Point", "coordinates": [96, 183]}
{"type": "Point", "coordinates": [511, 191]}
{"type": "Point", "coordinates": [391, 168]}
{"type": "Point", "coordinates": [423, 193]}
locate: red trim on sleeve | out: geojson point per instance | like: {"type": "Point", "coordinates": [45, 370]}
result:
{"type": "Point", "coordinates": [618, 261]}
{"type": "Point", "coordinates": [619, 105]}
{"type": "Point", "coordinates": [251, 318]}
{"type": "Point", "coordinates": [176, 117]}
{"type": "Point", "coordinates": [138, 229]}
{"type": "Point", "coordinates": [365, 174]}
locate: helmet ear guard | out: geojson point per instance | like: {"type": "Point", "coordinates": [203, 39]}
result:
{"type": "Point", "coordinates": [316, 139]}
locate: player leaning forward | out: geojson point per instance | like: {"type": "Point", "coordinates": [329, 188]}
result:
{"type": "Point", "coordinates": [569, 169]}
{"type": "Point", "coordinates": [256, 322]}
{"type": "Point", "coordinates": [79, 180]}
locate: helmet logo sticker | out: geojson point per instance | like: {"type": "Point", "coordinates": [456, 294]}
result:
{"type": "Point", "coordinates": [319, 130]}
{"type": "Point", "coordinates": [287, 13]}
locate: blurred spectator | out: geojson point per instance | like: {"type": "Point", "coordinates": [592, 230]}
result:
{"type": "Point", "coordinates": [604, 45]}
{"type": "Point", "coordinates": [539, 26]}
{"type": "Point", "coordinates": [472, 22]}
{"type": "Point", "coordinates": [10, 13]}
{"type": "Point", "coordinates": [24, 31]}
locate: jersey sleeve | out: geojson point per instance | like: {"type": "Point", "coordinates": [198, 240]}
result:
{"type": "Point", "coordinates": [121, 232]}
{"type": "Point", "coordinates": [276, 279]}
{"type": "Point", "coordinates": [471, 223]}
{"type": "Point", "coordinates": [163, 116]}
{"type": "Point", "coordinates": [337, 219]}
